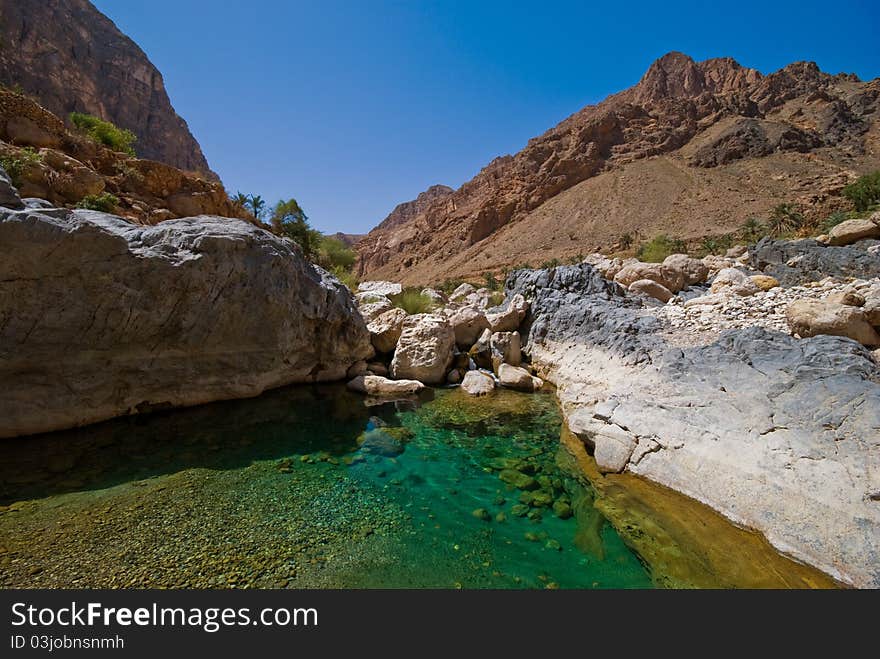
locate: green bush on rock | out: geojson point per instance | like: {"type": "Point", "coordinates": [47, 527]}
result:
{"type": "Point", "coordinates": [865, 192]}
{"type": "Point", "coordinates": [104, 202]}
{"type": "Point", "coordinates": [103, 132]}
{"type": "Point", "coordinates": [658, 248]}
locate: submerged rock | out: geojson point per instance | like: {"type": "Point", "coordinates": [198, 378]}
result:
{"type": "Point", "coordinates": [101, 318]}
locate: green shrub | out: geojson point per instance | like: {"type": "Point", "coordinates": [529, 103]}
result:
{"type": "Point", "coordinates": [491, 282]}
{"type": "Point", "coordinates": [833, 220]}
{"type": "Point", "coordinates": [346, 276]}
{"type": "Point", "coordinates": [104, 202]}
{"type": "Point", "coordinates": [17, 164]}
{"type": "Point", "coordinates": [785, 219]}
{"type": "Point", "coordinates": [103, 132]}
{"type": "Point", "coordinates": [865, 192]}
{"type": "Point", "coordinates": [658, 248]}
{"type": "Point", "coordinates": [412, 301]}
{"type": "Point", "coordinates": [333, 254]}
{"type": "Point", "coordinates": [752, 230]}
{"type": "Point", "coordinates": [496, 298]}
{"type": "Point", "coordinates": [626, 241]}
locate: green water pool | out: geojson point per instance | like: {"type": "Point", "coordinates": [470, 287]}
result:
{"type": "Point", "coordinates": [308, 487]}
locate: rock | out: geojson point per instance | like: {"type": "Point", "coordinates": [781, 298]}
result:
{"type": "Point", "coordinates": [356, 369]}
{"type": "Point", "coordinates": [613, 446]}
{"type": "Point", "coordinates": [506, 349]}
{"type": "Point", "coordinates": [766, 429]}
{"type": "Point", "coordinates": [764, 282]}
{"type": "Point", "coordinates": [808, 318]}
{"type": "Point", "coordinates": [607, 266]}
{"type": "Point", "coordinates": [8, 194]}
{"type": "Point", "coordinates": [482, 514]}
{"type": "Point", "coordinates": [385, 329]}
{"type": "Point", "coordinates": [849, 298]}
{"type": "Point", "coordinates": [705, 300]}
{"type": "Point", "coordinates": [731, 281]}
{"type": "Point", "coordinates": [477, 383]}
{"type": "Point", "coordinates": [510, 318]}
{"type": "Point", "coordinates": [668, 277]}
{"type": "Point", "coordinates": [798, 261]}
{"type": "Point", "coordinates": [717, 263]}
{"type": "Point", "coordinates": [481, 352]}
{"type": "Point", "coordinates": [693, 271]}
{"type": "Point", "coordinates": [651, 289]}
{"type": "Point", "coordinates": [851, 231]}
{"type": "Point", "coordinates": [424, 349]}
{"type": "Point", "coordinates": [382, 442]}
{"type": "Point", "coordinates": [453, 377]}
{"type": "Point", "coordinates": [516, 377]}
{"type": "Point", "coordinates": [468, 324]}
{"type": "Point", "coordinates": [871, 309]}
{"type": "Point", "coordinates": [462, 292]}
{"type": "Point", "coordinates": [182, 313]}
{"type": "Point", "coordinates": [562, 509]}
{"type": "Point", "coordinates": [518, 479]}
{"type": "Point", "coordinates": [377, 368]}
{"type": "Point", "coordinates": [736, 251]}
{"type": "Point", "coordinates": [383, 288]}
{"type": "Point", "coordinates": [26, 132]}
{"type": "Point", "coordinates": [372, 310]}
{"type": "Point", "coordinates": [434, 295]}
{"type": "Point", "coordinates": [519, 509]}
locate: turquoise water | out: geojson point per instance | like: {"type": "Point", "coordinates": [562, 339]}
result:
{"type": "Point", "coordinates": [308, 487]}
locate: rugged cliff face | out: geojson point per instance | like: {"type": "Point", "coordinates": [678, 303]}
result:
{"type": "Point", "coordinates": [72, 58]}
{"type": "Point", "coordinates": [694, 148]}
{"type": "Point", "coordinates": [100, 317]}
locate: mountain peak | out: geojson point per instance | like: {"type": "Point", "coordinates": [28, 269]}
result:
{"type": "Point", "coordinates": [676, 75]}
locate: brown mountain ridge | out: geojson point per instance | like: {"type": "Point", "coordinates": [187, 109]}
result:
{"type": "Point", "coordinates": [694, 149]}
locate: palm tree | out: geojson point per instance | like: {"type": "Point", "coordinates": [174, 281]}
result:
{"type": "Point", "coordinates": [257, 206]}
{"type": "Point", "coordinates": [239, 200]}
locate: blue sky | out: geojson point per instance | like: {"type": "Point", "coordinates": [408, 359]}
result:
{"type": "Point", "coordinates": [352, 107]}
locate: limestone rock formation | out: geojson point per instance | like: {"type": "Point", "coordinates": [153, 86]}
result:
{"type": "Point", "coordinates": [814, 317]}
{"type": "Point", "coordinates": [779, 434]}
{"type": "Point", "coordinates": [101, 318]}
{"type": "Point", "coordinates": [516, 377]}
{"type": "Point", "coordinates": [74, 59]}
{"type": "Point", "coordinates": [385, 329]}
{"type": "Point", "coordinates": [424, 349]}
{"type": "Point", "coordinates": [478, 383]}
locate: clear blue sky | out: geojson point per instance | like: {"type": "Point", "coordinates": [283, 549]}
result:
{"type": "Point", "coordinates": [353, 107]}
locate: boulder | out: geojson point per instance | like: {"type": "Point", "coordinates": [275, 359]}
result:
{"type": "Point", "coordinates": [736, 251]}
{"type": "Point", "coordinates": [375, 385]}
{"type": "Point", "coordinates": [808, 318]}
{"type": "Point", "coordinates": [509, 319]}
{"type": "Point", "coordinates": [102, 318]}
{"type": "Point", "coordinates": [462, 292]}
{"type": "Point", "coordinates": [481, 352]}
{"type": "Point", "coordinates": [516, 377]}
{"type": "Point", "coordinates": [612, 445]}
{"type": "Point", "coordinates": [356, 369]}
{"type": "Point", "coordinates": [383, 288]}
{"type": "Point", "coordinates": [424, 349]}
{"type": "Point", "coordinates": [26, 132]}
{"type": "Point", "coordinates": [871, 308]}
{"type": "Point", "coordinates": [477, 383]}
{"type": "Point", "coordinates": [693, 271]}
{"type": "Point", "coordinates": [609, 267]}
{"type": "Point", "coordinates": [794, 262]}
{"type": "Point", "coordinates": [717, 263]}
{"type": "Point", "coordinates": [851, 231]}
{"type": "Point", "coordinates": [434, 295]}
{"type": "Point", "coordinates": [506, 349]}
{"type": "Point", "coordinates": [764, 282]}
{"type": "Point", "coordinates": [849, 298]}
{"type": "Point", "coordinates": [8, 194]}
{"type": "Point", "coordinates": [377, 368]}
{"type": "Point", "coordinates": [372, 310]}
{"type": "Point", "coordinates": [668, 277]}
{"type": "Point", "coordinates": [731, 281]}
{"type": "Point", "coordinates": [651, 289]}
{"type": "Point", "coordinates": [468, 324]}
{"type": "Point", "coordinates": [385, 329]}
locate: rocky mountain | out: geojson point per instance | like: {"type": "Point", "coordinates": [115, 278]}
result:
{"type": "Point", "coordinates": [695, 148]}
{"type": "Point", "coordinates": [72, 58]}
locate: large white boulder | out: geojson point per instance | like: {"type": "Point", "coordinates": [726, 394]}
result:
{"type": "Point", "coordinates": [424, 349]}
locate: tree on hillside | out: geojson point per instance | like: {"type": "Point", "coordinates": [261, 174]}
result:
{"type": "Point", "coordinates": [289, 219]}
{"type": "Point", "coordinates": [257, 206]}
{"type": "Point", "coordinates": [239, 200]}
